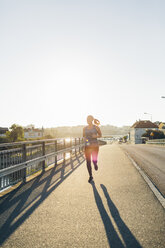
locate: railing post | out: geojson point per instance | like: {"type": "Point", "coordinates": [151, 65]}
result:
{"type": "Point", "coordinates": [79, 144]}
{"type": "Point", "coordinates": [55, 151]}
{"type": "Point", "coordinates": [64, 152]}
{"type": "Point", "coordinates": [43, 153]}
{"type": "Point", "coordinates": [82, 141]}
{"type": "Point", "coordinates": [70, 147]}
{"type": "Point", "coordinates": [75, 146]}
{"type": "Point", "coordinates": [24, 160]}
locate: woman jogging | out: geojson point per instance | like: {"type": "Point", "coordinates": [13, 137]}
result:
{"type": "Point", "coordinates": [90, 134]}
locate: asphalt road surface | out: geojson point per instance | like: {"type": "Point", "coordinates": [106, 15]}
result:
{"type": "Point", "coordinates": [60, 209]}
{"type": "Point", "coordinates": [151, 159]}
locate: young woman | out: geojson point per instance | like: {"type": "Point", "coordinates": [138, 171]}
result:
{"type": "Point", "coordinates": [90, 134]}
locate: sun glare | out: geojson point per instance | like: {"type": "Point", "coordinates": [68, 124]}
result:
{"type": "Point", "coordinates": [67, 140]}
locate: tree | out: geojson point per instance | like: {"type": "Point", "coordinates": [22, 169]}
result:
{"type": "Point", "coordinates": [154, 134]}
{"type": "Point", "coordinates": [16, 133]}
{"type": "Point", "coordinates": [125, 138]}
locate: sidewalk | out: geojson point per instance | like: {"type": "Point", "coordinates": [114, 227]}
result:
{"type": "Point", "coordinates": [118, 210]}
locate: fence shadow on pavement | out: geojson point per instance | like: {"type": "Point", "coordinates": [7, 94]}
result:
{"type": "Point", "coordinates": [112, 236]}
{"type": "Point", "coordinates": [19, 204]}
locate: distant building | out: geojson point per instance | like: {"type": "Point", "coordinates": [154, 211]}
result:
{"type": "Point", "coordinates": [32, 132]}
{"type": "Point", "coordinates": [3, 131]}
{"type": "Point", "coordinates": [139, 128]}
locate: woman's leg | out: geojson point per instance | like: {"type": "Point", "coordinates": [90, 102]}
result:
{"type": "Point", "coordinates": [95, 151]}
{"type": "Point", "coordinates": [88, 159]}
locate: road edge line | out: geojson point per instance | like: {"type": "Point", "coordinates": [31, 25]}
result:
{"type": "Point", "coordinates": [158, 195]}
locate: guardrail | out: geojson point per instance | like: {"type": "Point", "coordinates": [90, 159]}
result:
{"type": "Point", "coordinates": [156, 142]}
{"type": "Point", "coordinates": [22, 159]}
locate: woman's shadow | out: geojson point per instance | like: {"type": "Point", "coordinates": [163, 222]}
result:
{"type": "Point", "coordinates": [112, 236]}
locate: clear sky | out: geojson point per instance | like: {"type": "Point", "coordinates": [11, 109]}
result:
{"type": "Point", "coordinates": [61, 60]}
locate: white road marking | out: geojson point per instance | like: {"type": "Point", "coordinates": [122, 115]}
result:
{"type": "Point", "coordinates": [160, 198]}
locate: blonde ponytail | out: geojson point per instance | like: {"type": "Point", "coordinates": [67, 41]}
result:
{"type": "Point", "coordinates": [96, 122]}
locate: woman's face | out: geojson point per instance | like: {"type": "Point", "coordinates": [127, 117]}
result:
{"type": "Point", "coordinates": [89, 119]}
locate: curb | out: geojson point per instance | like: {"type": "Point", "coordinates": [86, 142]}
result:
{"type": "Point", "coordinates": [156, 192]}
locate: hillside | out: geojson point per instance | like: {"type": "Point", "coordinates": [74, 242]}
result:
{"type": "Point", "coordinates": [76, 131]}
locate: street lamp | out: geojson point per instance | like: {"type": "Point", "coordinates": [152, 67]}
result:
{"type": "Point", "coordinates": [148, 114]}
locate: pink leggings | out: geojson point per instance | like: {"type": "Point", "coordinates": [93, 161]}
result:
{"type": "Point", "coordinates": [91, 152]}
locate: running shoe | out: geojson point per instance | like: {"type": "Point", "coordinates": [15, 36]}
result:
{"type": "Point", "coordinates": [96, 166]}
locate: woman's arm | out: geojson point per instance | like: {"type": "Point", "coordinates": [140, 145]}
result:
{"type": "Point", "coordinates": [98, 132]}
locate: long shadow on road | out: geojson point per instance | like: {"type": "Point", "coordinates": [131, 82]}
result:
{"type": "Point", "coordinates": [18, 205]}
{"type": "Point", "coordinates": [112, 236]}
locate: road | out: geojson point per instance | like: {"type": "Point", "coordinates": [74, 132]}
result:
{"type": "Point", "coordinates": [61, 209]}
{"type": "Point", "coordinates": [151, 159]}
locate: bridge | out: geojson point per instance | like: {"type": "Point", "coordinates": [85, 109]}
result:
{"type": "Point", "coordinates": [46, 200]}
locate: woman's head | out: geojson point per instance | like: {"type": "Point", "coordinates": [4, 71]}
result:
{"type": "Point", "coordinates": [90, 120]}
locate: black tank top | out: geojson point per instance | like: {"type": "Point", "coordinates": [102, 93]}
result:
{"type": "Point", "coordinates": [88, 136]}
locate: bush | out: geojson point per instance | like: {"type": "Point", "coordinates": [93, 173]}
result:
{"type": "Point", "coordinates": [4, 140]}
{"type": "Point", "coordinates": [154, 134]}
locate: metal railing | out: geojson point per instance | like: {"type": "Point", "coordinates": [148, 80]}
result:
{"type": "Point", "coordinates": [22, 159]}
{"type": "Point", "coordinates": [156, 142]}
